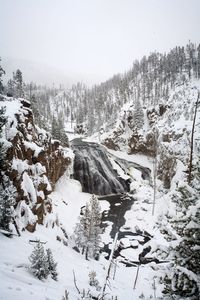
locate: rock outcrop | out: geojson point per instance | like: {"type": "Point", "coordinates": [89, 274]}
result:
{"type": "Point", "coordinates": [32, 161]}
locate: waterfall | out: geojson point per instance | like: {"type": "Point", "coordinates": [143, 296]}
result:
{"type": "Point", "coordinates": [94, 170]}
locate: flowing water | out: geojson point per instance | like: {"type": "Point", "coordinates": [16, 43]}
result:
{"type": "Point", "coordinates": [92, 167]}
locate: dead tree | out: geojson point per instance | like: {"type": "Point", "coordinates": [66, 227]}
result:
{"type": "Point", "coordinates": [155, 163]}
{"type": "Point", "coordinates": [192, 139]}
{"type": "Point", "coordinates": [109, 266]}
{"type": "Point", "coordinates": [136, 277]}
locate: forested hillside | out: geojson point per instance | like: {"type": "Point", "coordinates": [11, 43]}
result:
{"type": "Point", "coordinates": [137, 147]}
{"type": "Point", "coordinates": [148, 82]}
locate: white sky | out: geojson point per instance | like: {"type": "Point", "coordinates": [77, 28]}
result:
{"type": "Point", "coordinates": [96, 38]}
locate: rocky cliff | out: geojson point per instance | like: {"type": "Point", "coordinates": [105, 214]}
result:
{"type": "Point", "coordinates": [162, 129]}
{"type": "Point", "coordinates": [32, 161]}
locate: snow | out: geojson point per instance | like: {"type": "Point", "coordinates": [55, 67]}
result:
{"type": "Point", "coordinates": [11, 107]}
{"type": "Point", "coordinates": [136, 158]}
{"type": "Point", "coordinates": [67, 199]}
{"type": "Point", "coordinates": [34, 147]}
{"type": "Point", "coordinates": [131, 254]}
{"type": "Point", "coordinates": [19, 165]}
{"type": "Point", "coordinates": [118, 169]}
{"type": "Point", "coordinates": [24, 215]}
{"type": "Point", "coordinates": [16, 280]}
{"type": "Point", "coordinates": [28, 187]}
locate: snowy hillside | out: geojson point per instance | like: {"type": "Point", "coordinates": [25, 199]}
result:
{"type": "Point", "coordinates": [137, 236]}
{"type": "Point", "coordinates": [17, 280]}
{"type": "Point", "coordinates": [150, 81]}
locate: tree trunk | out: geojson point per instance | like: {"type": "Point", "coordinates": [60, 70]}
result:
{"type": "Point", "coordinates": [192, 140]}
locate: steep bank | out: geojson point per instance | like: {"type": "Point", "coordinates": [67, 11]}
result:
{"type": "Point", "coordinates": [33, 162]}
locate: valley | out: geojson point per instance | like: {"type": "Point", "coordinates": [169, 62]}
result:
{"type": "Point", "coordinates": [107, 179]}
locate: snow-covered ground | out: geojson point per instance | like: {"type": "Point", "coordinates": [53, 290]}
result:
{"type": "Point", "coordinates": [16, 281]}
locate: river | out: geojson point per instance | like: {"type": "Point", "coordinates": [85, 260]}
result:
{"type": "Point", "coordinates": [94, 170]}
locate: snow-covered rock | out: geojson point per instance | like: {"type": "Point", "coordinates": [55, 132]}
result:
{"type": "Point", "coordinates": [32, 161]}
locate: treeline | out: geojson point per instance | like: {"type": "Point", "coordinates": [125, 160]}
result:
{"type": "Point", "coordinates": [147, 82]}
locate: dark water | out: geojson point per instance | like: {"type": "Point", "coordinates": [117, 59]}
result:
{"type": "Point", "coordinates": [119, 205]}
{"type": "Point", "coordinates": [94, 170]}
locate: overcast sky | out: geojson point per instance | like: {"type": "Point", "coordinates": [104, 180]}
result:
{"type": "Point", "coordinates": [95, 38]}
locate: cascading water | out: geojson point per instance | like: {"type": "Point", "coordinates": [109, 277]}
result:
{"type": "Point", "coordinates": [94, 170]}
{"type": "Point", "coordinates": [92, 167]}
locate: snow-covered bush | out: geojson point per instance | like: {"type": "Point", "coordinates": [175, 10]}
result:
{"type": "Point", "coordinates": [93, 281]}
{"type": "Point", "coordinates": [43, 264]}
{"type": "Point", "coordinates": [39, 262]}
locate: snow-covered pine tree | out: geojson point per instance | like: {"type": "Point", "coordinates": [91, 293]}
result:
{"type": "Point", "coordinates": [2, 72]}
{"type": "Point", "coordinates": [18, 83]}
{"type": "Point", "coordinates": [138, 115]}
{"type": "Point", "coordinates": [62, 134]}
{"type": "Point", "coordinates": [87, 230]}
{"type": "Point", "coordinates": [39, 263]}
{"type": "Point", "coordinates": [10, 88]}
{"type": "Point", "coordinates": [7, 201]}
{"type": "Point", "coordinates": [3, 120]}
{"type": "Point", "coordinates": [82, 229]}
{"type": "Point", "coordinates": [184, 275]}
{"type": "Point", "coordinates": [52, 265]}
{"type": "Point", "coordinates": [55, 129]}
{"type": "Point", "coordinates": [35, 109]}
{"type": "Point", "coordinates": [95, 238]}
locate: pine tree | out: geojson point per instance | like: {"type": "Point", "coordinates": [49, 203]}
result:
{"type": "Point", "coordinates": [7, 201]}
{"type": "Point", "coordinates": [18, 83]}
{"type": "Point", "coordinates": [87, 231]}
{"type": "Point", "coordinates": [82, 229]}
{"type": "Point", "coordinates": [62, 135]}
{"type": "Point", "coordinates": [52, 265]}
{"type": "Point", "coordinates": [10, 88]}
{"type": "Point", "coordinates": [138, 115]}
{"type": "Point", "coordinates": [3, 120]}
{"type": "Point", "coordinates": [184, 277]}
{"type": "Point", "coordinates": [2, 72]}
{"type": "Point", "coordinates": [55, 129]}
{"type": "Point", "coordinates": [39, 262]}
{"type": "Point", "coordinates": [95, 221]}
{"type": "Point", "coordinates": [35, 109]}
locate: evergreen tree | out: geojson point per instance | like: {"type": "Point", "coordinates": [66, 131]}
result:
{"type": "Point", "coordinates": [52, 265]}
{"type": "Point", "coordinates": [18, 83]}
{"type": "Point", "coordinates": [35, 109]}
{"type": "Point", "coordinates": [7, 190]}
{"type": "Point", "coordinates": [10, 88]}
{"type": "Point", "coordinates": [39, 262]}
{"type": "Point", "coordinates": [184, 276]}
{"type": "Point", "coordinates": [87, 231]}
{"type": "Point", "coordinates": [95, 222]}
{"type": "Point", "coordinates": [55, 129]}
{"type": "Point", "coordinates": [138, 115]}
{"type": "Point", "coordinates": [2, 72]}
{"type": "Point", "coordinates": [3, 120]}
{"type": "Point", "coordinates": [58, 132]}
{"type": "Point", "coordinates": [82, 229]}
{"type": "Point", "coordinates": [62, 135]}
{"type": "Point", "coordinates": [7, 201]}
